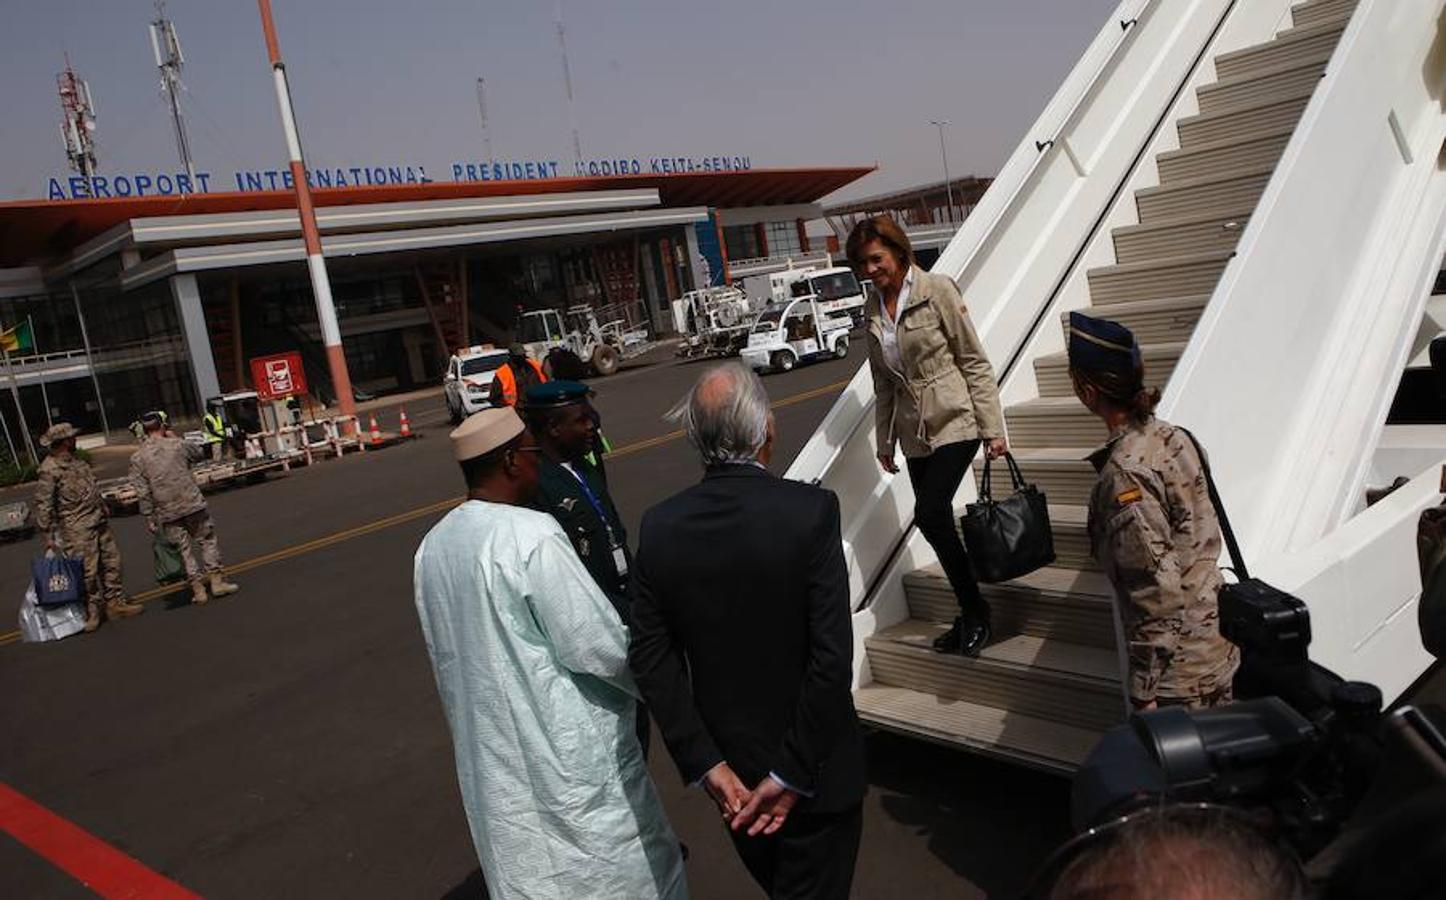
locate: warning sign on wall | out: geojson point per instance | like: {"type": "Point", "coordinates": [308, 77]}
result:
{"type": "Point", "coordinates": [278, 376]}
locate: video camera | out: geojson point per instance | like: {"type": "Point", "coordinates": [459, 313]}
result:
{"type": "Point", "coordinates": [1302, 745]}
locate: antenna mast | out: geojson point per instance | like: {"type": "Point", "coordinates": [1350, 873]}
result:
{"type": "Point", "coordinates": [169, 59]}
{"type": "Point", "coordinates": [567, 83]}
{"type": "Point", "coordinates": [482, 110]}
{"type": "Point", "coordinates": [77, 124]}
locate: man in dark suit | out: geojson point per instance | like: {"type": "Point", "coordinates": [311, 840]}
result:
{"type": "Point", "coordinates": [742, 646]}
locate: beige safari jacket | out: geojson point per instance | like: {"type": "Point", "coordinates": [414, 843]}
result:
{"type": "Point", "coordinates": [946, 392]}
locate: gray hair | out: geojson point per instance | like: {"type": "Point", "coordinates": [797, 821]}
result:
{"type": "Point", "coordinates": [726, 415]}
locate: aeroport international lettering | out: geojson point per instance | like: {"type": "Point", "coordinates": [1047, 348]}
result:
{"type": "Point", "coordinates": [354, 176]}
{"type": "Point", "coordinates": [149, 184]}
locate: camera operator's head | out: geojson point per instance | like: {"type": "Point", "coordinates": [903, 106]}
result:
{"type": "Point", "coordinates": [1182, 852]}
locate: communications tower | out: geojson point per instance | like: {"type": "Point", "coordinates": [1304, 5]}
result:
{"type": "Point", "coordinates": [169, 59]}
{"type": "Point", "coordinates": [567, 83]}
{"type": "Point", "coordinates": [482, 110]}
{"type": "Point", "coordinates": [77, 124]}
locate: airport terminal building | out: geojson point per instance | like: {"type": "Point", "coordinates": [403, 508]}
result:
{"type": "Point", "coordinates": [136, 302]}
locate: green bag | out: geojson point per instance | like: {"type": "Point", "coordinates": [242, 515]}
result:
{"type": "Point", "coordinates": [169, 565]}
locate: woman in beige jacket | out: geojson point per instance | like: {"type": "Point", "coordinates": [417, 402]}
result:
{"type": "Point", "coordinates": [935, 397]}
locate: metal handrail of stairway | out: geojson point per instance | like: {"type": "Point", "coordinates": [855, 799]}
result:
{"type": "Point", "coordinates": [1058, 140]}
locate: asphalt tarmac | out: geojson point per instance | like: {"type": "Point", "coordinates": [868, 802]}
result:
{"type": "Point", "coordinates": [287, 741]}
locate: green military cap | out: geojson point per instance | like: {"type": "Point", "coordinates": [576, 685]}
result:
{"type": "Point", "coordinates": [552, 394]}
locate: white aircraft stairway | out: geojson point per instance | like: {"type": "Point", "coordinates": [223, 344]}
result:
{"type": "Point", "coordinates": [1143, 216]}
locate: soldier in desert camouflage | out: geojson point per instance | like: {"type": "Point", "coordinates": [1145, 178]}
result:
{"type": "Point", "coordinates": [1152, 528]}
{"type": "Point", "coordinates": [70, 513]}
{"type": "Point", "coordinates": [173, 506]}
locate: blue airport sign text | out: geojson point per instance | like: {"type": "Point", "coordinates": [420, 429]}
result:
{"type": "Point", "coordinates": [148, 184]}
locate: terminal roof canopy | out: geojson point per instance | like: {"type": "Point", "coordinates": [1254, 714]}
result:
{"type": "Point", "coordinates": [32, 231]}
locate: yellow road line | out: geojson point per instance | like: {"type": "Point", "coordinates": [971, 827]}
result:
{"type": "Point", "coordinates": [401, 518]}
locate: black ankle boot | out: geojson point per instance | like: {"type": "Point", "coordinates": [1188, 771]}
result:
{"type": "Point", "coordinates": [974, 639]}
{"type": "Point", "coordinates": [949, 641]}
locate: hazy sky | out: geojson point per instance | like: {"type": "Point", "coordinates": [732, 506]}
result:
{"type": "Point", "coordinates": [785, 82]}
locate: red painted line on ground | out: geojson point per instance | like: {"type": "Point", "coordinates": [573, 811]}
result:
{"type": "Point", "coordinates": [80, 854]}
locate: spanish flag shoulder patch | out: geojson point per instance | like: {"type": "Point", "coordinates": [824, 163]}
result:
{"type": "Point", "coordinates": [1125, 498]}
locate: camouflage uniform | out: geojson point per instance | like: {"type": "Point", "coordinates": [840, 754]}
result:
{"type": "Point", "coordinates": [1155, 534]}
{"type": "Point", "coordinates": [69, 506]}
{"type": "Point", "coordinates": [170, 499]}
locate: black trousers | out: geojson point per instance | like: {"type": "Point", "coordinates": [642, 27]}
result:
{"type": "Point", "coordinates": [936, 480]}
{"type": "Point", "coordinates": [812, 856]}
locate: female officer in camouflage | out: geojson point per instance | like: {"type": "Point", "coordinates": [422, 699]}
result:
{"type": "Point", "coordinates": [1152, 528]}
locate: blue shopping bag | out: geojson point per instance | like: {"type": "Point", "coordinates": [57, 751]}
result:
{"type": "Point", "coordinates": [58, 580]}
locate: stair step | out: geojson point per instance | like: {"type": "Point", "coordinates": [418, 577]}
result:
{"type": "Point", "coordinates": [989, 730]}
{"type": "Point", "coordinates": [1172, 237]}
{"type": "Point", "coordinates": [1256, 120]}
{"type": "Point", "coordinates": [1062, 473]}
{"type": "Point", "coordinates": [1297, 44]}
{"type": "Point", "coordinates": [1053, 421]}
{"type": "Point", "coordinates": [1042, 677]}
{"type": "Point", "coordinates": [1051, 372]}
{"type": "Point", "coordinates": [1152, 321]}
{"type": "Point", "coordinates": [1321, 11]}
{"type": "Point", "coordinates": [1018, 607]}
{"type": "Point", "coordinates": [1170, 276]}
{"type": "Point", "coordinates": [1261, 87]}
{"type": "Point", "coordinates": [1202, 196]}
{"type": "Point", "coordinates": [1222, 157]}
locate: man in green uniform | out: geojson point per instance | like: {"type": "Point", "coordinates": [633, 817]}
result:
{"type": "Point", "coordinates": [71, 514]}
{"type": "Point", "coordinates": [574, 491]}
{"type": "Point", "coordinates": [1152, 528]}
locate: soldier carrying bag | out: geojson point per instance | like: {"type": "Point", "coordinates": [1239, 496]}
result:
{"type": "Point", "coordinates": [1010, 537]}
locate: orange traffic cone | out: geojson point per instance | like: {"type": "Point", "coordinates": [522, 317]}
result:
{"type": "Point", "coordinates": [376, 432]}
{"type": "Point", "coordinates": [406, 424]}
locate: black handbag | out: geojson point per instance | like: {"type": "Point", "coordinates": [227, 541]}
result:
{"type": "Point", "coordinates": [1010, 537]}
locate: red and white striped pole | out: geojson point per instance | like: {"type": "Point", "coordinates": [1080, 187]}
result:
{"type": "Point", "coordinates": [315, 263]}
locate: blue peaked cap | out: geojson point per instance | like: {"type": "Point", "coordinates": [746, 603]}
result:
{"type": "Point", "coordinates": [556, 393]}
{"type": "Point", "coordinates": [1102, 347]}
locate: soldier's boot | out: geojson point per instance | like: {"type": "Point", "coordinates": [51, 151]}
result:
{"type": "Point", "coordinates": [198, 592]}
{"type": "Point", "coordinates": [123, 609]}
{"type": "Point", "coordinates": [220, 587]}
{"type": "Point", "coordinates": [92, 615]}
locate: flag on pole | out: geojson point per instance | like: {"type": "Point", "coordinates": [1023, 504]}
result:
{"type": "Point", "coordinates": [17, 339]}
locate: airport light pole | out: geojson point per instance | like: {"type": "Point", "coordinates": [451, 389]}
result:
{"type": "Point", "coordinates": [315, 263]}
{"type": "Point", "coordinates": [948, 187]}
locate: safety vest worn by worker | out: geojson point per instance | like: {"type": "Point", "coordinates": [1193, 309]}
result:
{"type": "Point", "coordinates": [508, 380]}
{"type": "Point", "coordinates": [215, 428]}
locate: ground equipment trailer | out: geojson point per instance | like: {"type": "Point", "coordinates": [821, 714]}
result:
{"type": "Point", "coordinates": [716, 321]}
{"type": "Point", "coordinates": [600, 340]}
{"type": "Point", "coordinates": [121, 499]}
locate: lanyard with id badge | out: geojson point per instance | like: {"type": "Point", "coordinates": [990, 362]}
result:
{"type": "Point", "coordinates": [620, 556]}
